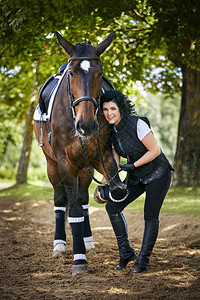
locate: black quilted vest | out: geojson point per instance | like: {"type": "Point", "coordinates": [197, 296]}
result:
{"type": "Point", "coordinates": [127, 144]}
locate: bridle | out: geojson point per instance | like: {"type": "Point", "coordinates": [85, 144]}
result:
{"type": "Point", "coordinates": [73, 103]}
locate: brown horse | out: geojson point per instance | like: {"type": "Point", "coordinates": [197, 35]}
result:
{"type": "Point", "coordinates": [76, 115]}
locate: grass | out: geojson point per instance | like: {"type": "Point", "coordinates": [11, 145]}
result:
{"type": "Point", "coordinates": [27, 192]}
{"type": "Point", "coordinates": [180, 200]}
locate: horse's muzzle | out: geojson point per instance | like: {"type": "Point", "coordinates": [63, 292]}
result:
{"type": "Point", "coordinates": [85, 129]}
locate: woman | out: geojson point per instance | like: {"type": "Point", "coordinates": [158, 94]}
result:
{"type": "Point", "coordinates": [148, 171]}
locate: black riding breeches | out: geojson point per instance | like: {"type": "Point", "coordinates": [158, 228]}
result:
{"type": "Point", "coordinates": [155, 195]}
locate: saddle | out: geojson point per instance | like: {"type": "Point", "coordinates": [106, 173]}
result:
{"type": "Point", "coordinates": [50, 85]}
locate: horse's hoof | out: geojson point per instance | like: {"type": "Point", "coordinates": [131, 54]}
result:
{"type": "Point", "coordinates": [59, 250]}
{"type": "Point", "coordinates": [98, 198]}
{"type": "Point", "coordinates": [77, 269]}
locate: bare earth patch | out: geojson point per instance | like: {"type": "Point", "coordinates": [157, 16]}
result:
{"type": "Point", "coordinates": [27, 270]}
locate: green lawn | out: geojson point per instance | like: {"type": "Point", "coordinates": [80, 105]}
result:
{"type": "Point", "coordinates": [181, 200]}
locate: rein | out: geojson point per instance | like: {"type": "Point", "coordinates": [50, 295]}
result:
{"type": "Point", "coordinates": [111, 179]}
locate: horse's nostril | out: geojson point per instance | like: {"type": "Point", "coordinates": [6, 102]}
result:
{"type": "Point", "coordinates": [79, 128]}
{"type": "Point", "coordinates": [85, 129]}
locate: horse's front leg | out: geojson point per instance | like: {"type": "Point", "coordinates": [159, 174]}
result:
{"type": "Point", "coordinates": [83, 195]}
{"type": "Point", "coordinates": [60, 202]}
{"type": "Point", "coordinates": [76, 218]}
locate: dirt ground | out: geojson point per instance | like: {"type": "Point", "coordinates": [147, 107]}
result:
{"type": "Point", "coordinates": [29, 272]}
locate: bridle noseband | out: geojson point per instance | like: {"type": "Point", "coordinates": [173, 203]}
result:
{"type": "Point", "coordinates": [85, 98]}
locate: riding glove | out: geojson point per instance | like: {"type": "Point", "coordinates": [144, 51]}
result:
{"type": "Point", "coordinates": [127, 167]}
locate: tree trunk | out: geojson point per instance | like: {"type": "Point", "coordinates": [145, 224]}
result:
{"type": "Point", "coordinates": [187, 157]}
{"type": "Point", "coordinates": [28, 134]}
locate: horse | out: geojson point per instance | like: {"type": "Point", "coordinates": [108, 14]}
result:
{"type": "Point", "coordinates": [73, 152]}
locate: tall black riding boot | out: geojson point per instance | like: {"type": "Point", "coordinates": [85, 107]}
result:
{"type": "Point", "coordinates": [126, 252]}
{"type": "Point", "coordinates": [149, 239]}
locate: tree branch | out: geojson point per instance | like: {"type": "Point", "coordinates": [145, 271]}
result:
{"type": "Point", "coordinates": [140, 17]}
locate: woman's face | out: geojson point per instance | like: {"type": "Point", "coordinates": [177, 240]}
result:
{"type": "Point", "coordinates": [111, 112]}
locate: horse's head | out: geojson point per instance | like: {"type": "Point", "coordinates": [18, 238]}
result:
{"type": "Point", "coordinates": [84, 81]}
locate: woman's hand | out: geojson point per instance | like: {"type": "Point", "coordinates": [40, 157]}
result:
{"type": "Point", "coordinates": [127, 167]}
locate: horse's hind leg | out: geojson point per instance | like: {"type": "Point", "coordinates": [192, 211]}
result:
{"type": "Point", "coordinates": [60, 201]}
{"type": "Point", "coordinates": [83, 185]}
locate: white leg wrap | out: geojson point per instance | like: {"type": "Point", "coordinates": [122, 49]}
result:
{"type": "Point", "coordinates": [75, 220]}
{"type": "Point", "coordinates": [86, 206]}
{"type": "Point", "coordinates": [58, 242]}
{"type": "Point", "coordinates": [79, 256]}
{"type": "Point", "coordinates": [88, 239]}
{"type": "Point", "coordinates": [59, 208]}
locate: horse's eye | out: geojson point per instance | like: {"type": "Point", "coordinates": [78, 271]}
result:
{"type": "Point", "coordinates": [71, 74]}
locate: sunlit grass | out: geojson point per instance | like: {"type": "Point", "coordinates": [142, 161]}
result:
{"type": "Point", "coordinates": [180, 200]}
{"type": "Point", "coordinates": [27, 192]}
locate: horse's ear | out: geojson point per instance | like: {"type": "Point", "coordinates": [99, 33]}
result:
{"type": "Point", "coordinates": [104, 44]}
{"type": "Point", "coordinates": [67, 46]}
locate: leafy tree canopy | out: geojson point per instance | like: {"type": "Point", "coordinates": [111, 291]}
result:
{"type": "Point", "coordinates": [153, 39]}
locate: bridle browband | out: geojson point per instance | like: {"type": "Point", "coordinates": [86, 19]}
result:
{"type": "Point", "coordinates": [83, 58]}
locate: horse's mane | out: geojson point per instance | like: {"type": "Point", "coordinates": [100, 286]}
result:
{"type": "Point", "coordinates": [81, 48]}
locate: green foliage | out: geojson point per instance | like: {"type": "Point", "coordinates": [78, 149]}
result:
{"type": "Point", "coordinates": [8, 173]}
{"type": "Point", "coordinates": [15, 93]}
{"type": "Point", "coordinates": [177, 25]}
{"type": "Point", "coordinates": [37, 166]}
{"type": "Point", "coordinates": [26, 30]}
{"type": "Point", "coordinates": [25, 26]}
{"type": "Point", "coordinates": [8, 134]}
{"type": "Point", "coordinates": [148, 34]}
{"type": "Point", "coordinates": [37, 174]}
{"type": "Point", "coordinates": [163, 114]}
{"type": "Point", "coordinates": [10, 157]}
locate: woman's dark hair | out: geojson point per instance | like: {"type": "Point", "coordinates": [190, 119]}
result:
{"type": "Point", "coordinates": [122, 101]}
